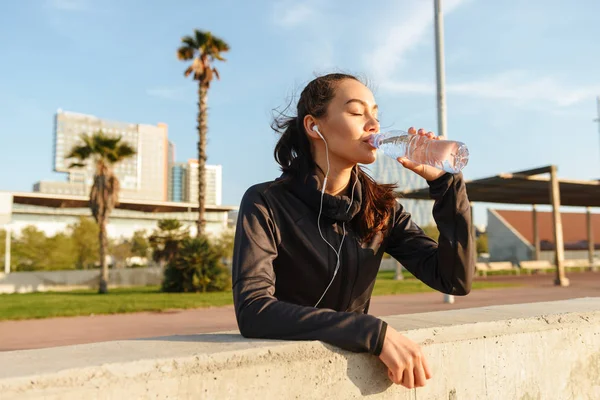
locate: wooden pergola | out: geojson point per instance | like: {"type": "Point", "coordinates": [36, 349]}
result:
{"type": "Point", "coordinates": [528, 187]}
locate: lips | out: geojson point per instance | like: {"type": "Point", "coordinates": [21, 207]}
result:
{"type": "Point", "coordinates": [366, 138]}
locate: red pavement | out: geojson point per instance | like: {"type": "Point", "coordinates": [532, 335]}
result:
{"type": "Point", "coordinates": [51, 332]}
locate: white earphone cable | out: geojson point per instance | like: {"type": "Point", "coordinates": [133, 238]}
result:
{"type": "Point", "coordinates": [337, 253]}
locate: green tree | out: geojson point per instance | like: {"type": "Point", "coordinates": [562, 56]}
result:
{"type": "Point", "coordinates": [165, 240]}
{"type": "Point", "coordinates": [196, 267]}
{"type": "Point", "coordinates": [203, 48]}
{"type": "Point", "coordinates": [140, 244]}
{"type": "Point", "coordinates": [61, 254]}
{"type": "Point", "coordinates": [432, 232]}
{"type": "Point", "coordinates": [29, 250]}
{"type": "Point", "coordinates": [85, 241]}
{"type": "Point", "coordinates": [482, 244]}
{"type": "Point", "coordinates": [104, 151]}
{"type": "Point", "coordinates": [120, 250]}
{"type": "Point", "coordinates": [224, 243]}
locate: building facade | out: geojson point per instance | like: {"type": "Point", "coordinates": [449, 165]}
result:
{"type": "Point", "coordinates": [177, 176]}
{"type": "Point", "coordinates": [143, 176]}
{"type": "Point", "coordinates": [511, 235]}
{"type": "Point", "coordinates": [184, 183]}
{"type": "Point", "coordinates": [56, 213]}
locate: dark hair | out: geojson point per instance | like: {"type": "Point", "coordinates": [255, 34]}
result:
{"type": "Point", "coordinates": [293, 153]}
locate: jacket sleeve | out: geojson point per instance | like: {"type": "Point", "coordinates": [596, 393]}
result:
{"type": "Point", "coordinates": [446, 266]}
{"type": "Point", "coordinates": [260, 314]}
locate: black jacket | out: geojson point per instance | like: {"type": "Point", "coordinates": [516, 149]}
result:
{"type": "Point", "coordinates": [281, 265]}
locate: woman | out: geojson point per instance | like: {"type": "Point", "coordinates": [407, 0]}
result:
{"type": "Point", "coordinates": [308, 245]}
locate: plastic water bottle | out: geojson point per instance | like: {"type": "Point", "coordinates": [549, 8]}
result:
{"type": "Point", "coordinates": [447, 155]}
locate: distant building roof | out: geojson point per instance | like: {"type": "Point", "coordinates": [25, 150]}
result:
{"type": "Point", "coordinates": [67, 201]}
{"type": "Point", "coordinates": [574, 228]}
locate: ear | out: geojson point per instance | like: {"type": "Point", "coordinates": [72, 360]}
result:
{"type": "Point", "coordinates": [309, 122]}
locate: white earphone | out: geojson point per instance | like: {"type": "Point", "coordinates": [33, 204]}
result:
{"type": "Point", "coordinates": [338, 251]}
{"type": "Point", "coordinates": [316, 129]}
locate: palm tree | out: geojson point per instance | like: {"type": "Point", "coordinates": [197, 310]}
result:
{"type": "Point", "coordinates": [204, 49]}
{"type": "Point", "coordinates": [167, 239]}
{"type": "Point", "coordinates": [104, 151]}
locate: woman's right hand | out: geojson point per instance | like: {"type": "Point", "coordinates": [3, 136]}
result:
{"type": "Point", "coordinates": [405, 362]}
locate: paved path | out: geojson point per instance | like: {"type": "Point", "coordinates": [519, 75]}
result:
{"type": "Point", "coordinates": [53, 332]}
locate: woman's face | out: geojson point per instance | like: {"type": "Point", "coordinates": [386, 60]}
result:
{"type": "Point", "coordinates": [350, 120]}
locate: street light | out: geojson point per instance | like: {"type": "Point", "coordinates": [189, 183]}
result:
{"type": "Point", "coordinates": [440, 79]}
{"type": "Point", "coordinates": [598, 119]}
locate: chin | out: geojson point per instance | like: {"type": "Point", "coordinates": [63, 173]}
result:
{"type": "Point", "coordinates": [369, 158]}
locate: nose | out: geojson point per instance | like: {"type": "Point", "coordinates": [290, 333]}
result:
{"type": "Point", "coordinates": [372, 125]}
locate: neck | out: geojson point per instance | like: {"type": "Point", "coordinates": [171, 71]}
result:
{"type": "Point", "coordinates": [338, 180]}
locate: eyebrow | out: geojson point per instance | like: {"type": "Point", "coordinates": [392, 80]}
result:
{"type": "Point", "coordinates": [364, 103]}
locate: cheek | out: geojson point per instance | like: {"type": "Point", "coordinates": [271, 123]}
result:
{"type": "Point", "coordinates": [347, 133]}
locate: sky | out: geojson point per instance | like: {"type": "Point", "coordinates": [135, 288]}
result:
{"type": "Point", "coordinates": [522, 76]}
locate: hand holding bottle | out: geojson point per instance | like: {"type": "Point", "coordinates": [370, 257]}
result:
{"type": "Point", "coordinates": [422, 152]}
{"type": "Point", "coordinates": [425, 171]}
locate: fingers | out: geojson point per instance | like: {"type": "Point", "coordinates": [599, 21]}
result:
{"type": "Point", "coordinates": [422, 132]}
{"type": "Point", "coordinates": [411, 165]}
{"type": "Point", "coordinates": [404, 360]}
{"type": "Point", "coordinates": [426, 368]}
{"type": "Point", "coordinates": [419, 373]}
{"type": "Point", "coordinates": [394, 377]}
{"type": "Point", "coordinates": [408, 378]}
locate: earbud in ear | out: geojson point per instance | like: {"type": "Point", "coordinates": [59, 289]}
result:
{"type": "Point", "coordinates": [316, 129]}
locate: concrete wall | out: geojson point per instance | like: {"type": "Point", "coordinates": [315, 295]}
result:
{"type": "Point", "coordinates": [528, 351]}
{"type": "Point", "coordinates": [505, 243]}
{"type": "Point", "coordinates": [41, 281]}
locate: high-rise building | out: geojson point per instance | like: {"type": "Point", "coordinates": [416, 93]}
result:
{"type": "Point", "coordinates": [214, 181]}
{"type": "Point", "coordinates": [177, 176]}
{"type": "Point", "coordinates": [183, 183]}
{"type": "Point", "coordinates": [143, 176]}
{"type": "Point", "coordinates": [388, 170]}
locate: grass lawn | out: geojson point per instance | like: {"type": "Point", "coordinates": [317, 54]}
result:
{"type": "Point", "coordinates": [149, 298]}
{"type": "Point", "coordinates": [387, 285]}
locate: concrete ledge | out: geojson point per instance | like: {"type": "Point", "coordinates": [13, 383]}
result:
{"type": "Point", "coordinates": [530, 351]}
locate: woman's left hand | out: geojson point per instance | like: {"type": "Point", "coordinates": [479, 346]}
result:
{"type": "Point", "coordinates": [425, 171]}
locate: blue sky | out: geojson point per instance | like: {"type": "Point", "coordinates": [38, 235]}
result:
{"type": "Point", "coordinates": [521, 76]}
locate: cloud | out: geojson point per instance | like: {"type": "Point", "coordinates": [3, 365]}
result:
{"type": "Point", "coordinates": [68, 5]}
{"type": "Point", "coordinates": [291, 14]}
{"type": "Point", "coordinates": [403, 36]}
{"type": "Point", "coordinates": [520, 87]}
{"type": "Point", "coordinates": [525, 87]}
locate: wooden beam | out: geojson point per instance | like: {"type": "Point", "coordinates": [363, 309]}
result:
{"type": "Point", "coordinates": [590, 238]}
{"type": "Point", "coordinates": [536, 234]}
{"type": "Point", "coordinates": [536, 171]}
{"type": "Point", "coordinates": [559, 249]}
{"type": "Point", "coordinates": [473, 233]}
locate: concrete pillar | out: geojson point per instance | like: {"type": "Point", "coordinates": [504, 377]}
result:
{"type": "Point", "coordinates": [559, 250]}
{"type": "Point", "coordinates": [473, 233]}
{"type": "Point", "coordinates": [7, 250]}
{"type": "Point", "coordinates": [590, 237]}
{"type": "Point", "coordinates": [399, 275]}
{"type": "Point", "coordinates": [536, 234]}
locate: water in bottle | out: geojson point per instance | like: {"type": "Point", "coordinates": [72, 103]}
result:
{"type": "Point", "coordinates": [447, 155]}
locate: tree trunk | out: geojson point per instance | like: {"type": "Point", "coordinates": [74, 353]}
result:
{"type": "Point", "coordinates": [103, 287]}
{"type": "Point", "coordinates": [202, 132]}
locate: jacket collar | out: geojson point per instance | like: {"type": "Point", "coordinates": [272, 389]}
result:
{"type": "Point", "coordinates": [339, 208]}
